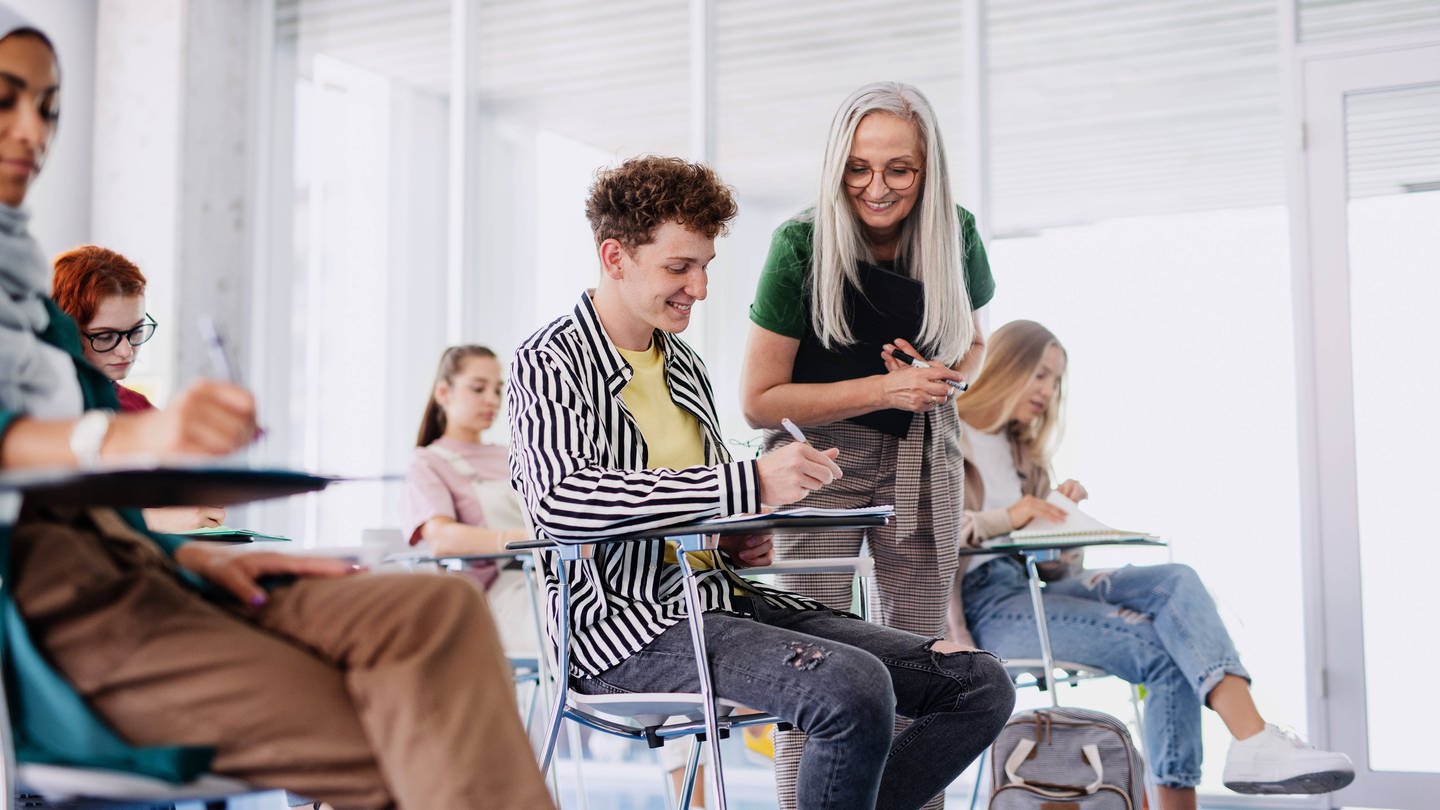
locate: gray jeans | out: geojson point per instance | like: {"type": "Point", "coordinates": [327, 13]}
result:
{"type": "Point", "coordinates": [842, 681]}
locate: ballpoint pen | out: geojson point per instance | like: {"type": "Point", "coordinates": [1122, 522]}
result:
{"type": "Point", "coordinates": [793, 429]}
{"type": "Point", "coordinates": [219, 359]}
{"type": "Point", "coordinates": [958, 385]}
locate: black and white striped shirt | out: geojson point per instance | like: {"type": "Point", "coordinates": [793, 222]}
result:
{"type": "Point", "coordinates": [578, 461]}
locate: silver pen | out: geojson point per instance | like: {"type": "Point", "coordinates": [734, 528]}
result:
{"type": "Point", "coordinates": [219, 358]}
{"type": "Point", "coordinates": [793, 429]}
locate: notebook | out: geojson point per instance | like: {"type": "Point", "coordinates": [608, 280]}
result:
{"type": "Point", "coordinates": [1076, 525]}
{"type": "Point", "coordinates": [886, 510]}
{"type": "Point", "coordinates": [229, 534]}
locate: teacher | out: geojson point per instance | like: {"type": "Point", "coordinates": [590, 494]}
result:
{"type": "Point", "coordinates": [885, 260]}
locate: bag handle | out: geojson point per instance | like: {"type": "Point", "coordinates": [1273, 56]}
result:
{"type": "Point", "coordinates": [1022, 751]}
{"type": "Point", "coordinates": [1092, 756]}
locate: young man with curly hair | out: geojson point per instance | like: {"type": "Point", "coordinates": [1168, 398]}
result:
{"type": "Point", "coordinates": [614, 431]}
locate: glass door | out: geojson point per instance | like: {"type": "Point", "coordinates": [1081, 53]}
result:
{"type": "Point", "coordinates": [1368, 289]}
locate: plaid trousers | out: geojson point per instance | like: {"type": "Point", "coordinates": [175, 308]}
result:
{"type": "Point", "coordinates": [915, 556]}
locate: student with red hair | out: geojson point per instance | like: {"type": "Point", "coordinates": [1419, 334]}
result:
{"type": "Point", "coordinates": [104, 293]}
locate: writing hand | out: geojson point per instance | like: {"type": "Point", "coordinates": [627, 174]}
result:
{"type": "Point", "coordinates": [794, 471]}
{"type": "Point", "coordinates": [207, 418]}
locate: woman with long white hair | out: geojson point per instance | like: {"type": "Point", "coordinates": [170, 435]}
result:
{"type": "Point", "coordinates": [884, 261]}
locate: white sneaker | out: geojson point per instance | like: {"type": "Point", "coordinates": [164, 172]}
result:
{"type": "Point", "coordinates": [1277, 761]}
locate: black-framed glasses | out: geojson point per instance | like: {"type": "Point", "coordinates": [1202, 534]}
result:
{"type": "Point", "coordinates": [896, 178]}
{"type": "Point", "coordinates": [107, 339]}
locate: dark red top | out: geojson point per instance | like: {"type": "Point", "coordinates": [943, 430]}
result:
{"type": "Point", "coordinates": [131, 401]}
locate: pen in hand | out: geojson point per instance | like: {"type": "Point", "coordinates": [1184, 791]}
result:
{"type": "Point", "coordinates": [793, 429]}
{"type": "Point", "coordinates": [219, 359]}
{"type": "Point", "coordinates": [958, 385]}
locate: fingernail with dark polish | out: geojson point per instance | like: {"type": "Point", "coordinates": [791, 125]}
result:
{"type": "Point", "coordinates": [257, 600]}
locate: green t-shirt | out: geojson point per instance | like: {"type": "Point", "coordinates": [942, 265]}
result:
{"type": "Point", "coordinates": [782, 301]}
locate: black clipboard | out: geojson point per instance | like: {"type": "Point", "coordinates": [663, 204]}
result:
{"type": "Point", "coordinates": [144, 487]}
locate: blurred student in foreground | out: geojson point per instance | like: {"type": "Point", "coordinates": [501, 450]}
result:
{"type": "Point", "coordinates": [145, 653]}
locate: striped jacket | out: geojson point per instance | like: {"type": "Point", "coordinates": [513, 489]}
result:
{"type": "Point", "coordinates": [578, 461]}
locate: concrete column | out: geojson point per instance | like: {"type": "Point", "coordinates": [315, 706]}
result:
{"type": "Point", "coordinates": [173, 167]}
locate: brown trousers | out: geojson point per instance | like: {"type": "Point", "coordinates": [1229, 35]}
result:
{"type": "Point", "coordinates": [366, 691]}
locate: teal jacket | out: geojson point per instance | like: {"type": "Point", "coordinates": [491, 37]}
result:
{"type": "Point", "coordinates": [49, 721]}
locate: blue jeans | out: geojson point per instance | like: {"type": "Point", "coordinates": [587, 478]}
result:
{"type": "Point", "coordinates": [842, 681]}
{"type": "Point", "coordinates": [1150, 624]}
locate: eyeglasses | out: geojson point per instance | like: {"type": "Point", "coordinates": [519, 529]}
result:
{"type": "Point", "coordinates": [107, 339]}
{"type": "Point", "coordinates": [896, 178]}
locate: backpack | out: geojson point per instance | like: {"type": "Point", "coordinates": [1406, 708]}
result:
{"type": "Point", "coordinates": [1065, 759]}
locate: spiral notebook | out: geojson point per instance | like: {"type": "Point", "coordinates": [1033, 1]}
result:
{"type": "Point", "coordinates": [1076, 525]}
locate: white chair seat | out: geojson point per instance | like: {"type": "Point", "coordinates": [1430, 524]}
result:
{"type": "Point", "coordinates": [1035, 667]}
{"type": "Point", "coordinates": [61, 783]}
{"type": "Point", "coordinates": [863, 567]}
{"type": "Point", "coordinates": [650, 708]}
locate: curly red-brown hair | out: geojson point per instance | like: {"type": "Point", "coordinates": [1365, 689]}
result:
{"type": "Point", "coordinates": [627, 203]}
{"type": "Point", "coordinates": [87, 275]}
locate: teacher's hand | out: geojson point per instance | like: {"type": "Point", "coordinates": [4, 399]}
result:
{"type": "Point", "coordinates": [916, 389]}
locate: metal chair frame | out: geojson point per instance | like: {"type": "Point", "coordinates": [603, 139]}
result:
{"type": "Point", "coordinates": [1046, 666]}
{"type": "Point", "coordinates": [714, 718]}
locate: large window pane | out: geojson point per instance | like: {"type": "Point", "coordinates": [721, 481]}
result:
{"type": "Point", "coordinates": [1126, 108]}
{"type": "Point", "coordinates": [1181, 413]}
{"type": "Point", "coordinates": [562, 88]}
{"type": "Point", "coordinates": [357, 259]}
{"type": "Point", "coordinates": [1138, 193]}
{"type": "Point", "coordinates": [1393, 166]}
{"type": "Point", "coordinates": [1342, 20]}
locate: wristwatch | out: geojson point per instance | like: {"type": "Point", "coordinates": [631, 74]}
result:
{"type": "Point", "coordinates": [88, 435]}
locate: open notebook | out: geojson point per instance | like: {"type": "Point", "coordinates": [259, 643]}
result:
{"type": "Point", "coordinates": [1076, 524]}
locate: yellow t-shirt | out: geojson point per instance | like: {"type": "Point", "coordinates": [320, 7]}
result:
{"type": "Point", "coordinates": [672, 434]}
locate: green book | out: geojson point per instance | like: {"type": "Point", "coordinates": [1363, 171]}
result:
{"type": "Point", "coordinates": [227, 534]}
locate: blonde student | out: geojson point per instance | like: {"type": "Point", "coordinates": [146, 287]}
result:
{"type": "Point", "coordinates": [1151, 624]}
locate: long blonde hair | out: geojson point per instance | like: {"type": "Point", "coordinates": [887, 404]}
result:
{"type": "Point", "coordinates": [1012, 355]}
{"type": "Point", "coordinates": [929, 239]}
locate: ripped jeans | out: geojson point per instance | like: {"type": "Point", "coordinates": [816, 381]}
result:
{"type": "Point", "coordinates": [842, 681]}
{"type": "Point", "coordinates": [1150, 624]}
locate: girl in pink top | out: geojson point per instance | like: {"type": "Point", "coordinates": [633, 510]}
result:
{"type": "Point", "coordinates": [460, 500]}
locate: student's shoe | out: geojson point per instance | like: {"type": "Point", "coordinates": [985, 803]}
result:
{"type": "Point", "coordinates": [1277, 761]}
